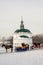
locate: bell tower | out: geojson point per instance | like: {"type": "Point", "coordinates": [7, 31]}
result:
{"type": "Point", "coordinates": [21, 25]}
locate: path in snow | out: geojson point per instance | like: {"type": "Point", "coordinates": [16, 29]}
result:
{"type": "Point", "coordinates": [34, 57]}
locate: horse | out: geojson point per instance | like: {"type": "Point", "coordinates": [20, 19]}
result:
{"type": "Point", "coordinates": [8, 47]}
{"type": "Point", "coordinates": [25, 46]}
{"type": "Point", "coordinates": [37, 45]}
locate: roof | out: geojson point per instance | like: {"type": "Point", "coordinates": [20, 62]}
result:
{"type": "Point", "coordinates": [24, 36]}
{"type": "Point", "coordinates": [22, 30]}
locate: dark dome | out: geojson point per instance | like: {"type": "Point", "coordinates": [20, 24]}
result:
{"type": "Point", "coordinates": [22, 30]}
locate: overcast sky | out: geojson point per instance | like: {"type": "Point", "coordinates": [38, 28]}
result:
{"type": "Point", "coordinates": [11, 12]}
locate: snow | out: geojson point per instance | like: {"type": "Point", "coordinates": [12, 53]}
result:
{"type": "Point", "coordinates": [33, 57]}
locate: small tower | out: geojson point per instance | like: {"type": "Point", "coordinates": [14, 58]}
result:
{"type": "Point", "coordinates": [21, 25]}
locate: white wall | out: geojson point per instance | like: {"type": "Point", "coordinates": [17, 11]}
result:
{"type": "Point", "coordinates": [17, 40]}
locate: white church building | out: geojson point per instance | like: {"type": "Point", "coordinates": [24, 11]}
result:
{"type": "Point", "coordinates": [22, 35]}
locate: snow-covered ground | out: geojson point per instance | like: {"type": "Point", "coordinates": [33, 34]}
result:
{"type": "Point", "coordinates": [33, 57]}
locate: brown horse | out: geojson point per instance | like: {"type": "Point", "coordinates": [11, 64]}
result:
{"type": "Point", "coordinates": [37, 45]}
{"type": "Point", "coordinates": [8, 47]}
